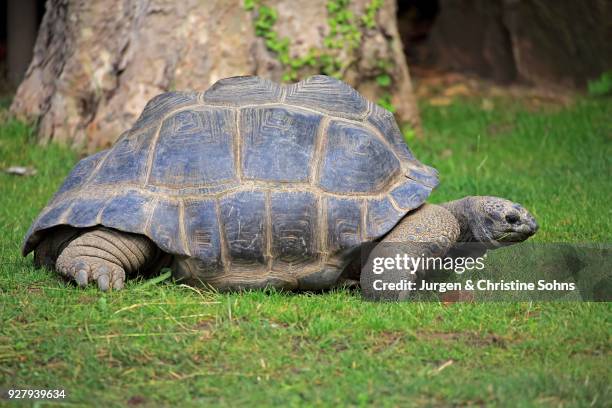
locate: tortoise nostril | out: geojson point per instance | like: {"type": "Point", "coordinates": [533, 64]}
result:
{"type": "Point", "coordinates": [512, 218]}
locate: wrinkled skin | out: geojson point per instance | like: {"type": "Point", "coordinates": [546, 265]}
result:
{"type": "Point", "coordinates": [492, 221]}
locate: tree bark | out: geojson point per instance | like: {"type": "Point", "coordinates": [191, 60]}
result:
{"type": "Point", "coordinates": [96, 63]}
{"type": "Point", "coordinates": [538, 42]}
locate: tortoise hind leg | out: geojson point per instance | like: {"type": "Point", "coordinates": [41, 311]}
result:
{"type": "Point", "coordinates": [429, 231]}
{"type": "Point", "coordinates": [48, 250]}
{"type": "Point", "coordinates": [105, 256]}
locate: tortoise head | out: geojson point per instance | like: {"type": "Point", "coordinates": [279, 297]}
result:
{"type": "Point", "coordinates": [496, 222]}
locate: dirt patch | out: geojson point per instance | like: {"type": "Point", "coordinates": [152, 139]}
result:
{"type": "Point", "coordinates": [136, 400]}
{"type": "Point", "coordinates": [340, 346]}
{"type": "Point", "coordinates": [471, 338]}
{"type": "Point", "coordinates": [34, 289]}
{"type": "Point", "coordinates": [456, 296]}
{"type": "Point", "coordinates": [532, 314]}
{"type": "Point", "coordinates": [205, 324]}
{"type": "Point", "coordinates": [106, 355]}
{"type": "Point", "coordinates": [441, 88]}
{"type": "Point", "coordinates": [299, 344]}
{"type": "Point", "coordinates": [487, 340]}
{"type": "Point", "coordinates": [87, 299]}
{"type": "Point", "coordinates": [21, 319]}
{"type": "Point", "coordinates": [206, 327]}
{"type": "Point", "coordinates": [387, 339]}
{"type": "Point", "coordinates": [275, 324]}
{"type": "Point", "coordinates": [439, 336]}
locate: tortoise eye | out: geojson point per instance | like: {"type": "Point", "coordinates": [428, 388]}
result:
{"type": "Point", "coordinates": [512, 218]}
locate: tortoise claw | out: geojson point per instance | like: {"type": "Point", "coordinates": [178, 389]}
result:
{"type": "Point", "coordinates": [82, 278]}
{"type": "Point", "coordinates": [118, 283]}
{"type": "Point", "coordinates": [103, 278]}
{"type": "Point", "coordinates": [103, 283]}
{"type": "Point", "coordinates": [110, 277]}
{"type": "Point", "coordinates": [84, 271]}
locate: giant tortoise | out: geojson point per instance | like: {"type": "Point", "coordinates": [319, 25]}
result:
{"type": "Point", "coordinates": [252, 184]}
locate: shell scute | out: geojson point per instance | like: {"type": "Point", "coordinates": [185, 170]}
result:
{"type": "Point", "coordinates": [165, 227]}
{"type": "Point", "coordinates": [245, 90]}
{"type": "Point", "coordinates": [81, 172]}
{"type": "Point", "coordinates": [278, 143]}
{"type": "Point", "coordinates": [128, 211]}
{"type": "Point", "coordinates": [243, 216]}
{"type": "Point", "coordinates": [330, 95]}
{"type": "Point", "coordinates": [343, 224]}
{"type": "Point", "coordinates": [202, 231]}
{"type": "Point", "coordinates": [195, 148]}
{"type": "Point", "coordinates": [355, 161]}
{"type": "Point", "coordinates": [162, 104]}
{"type": "Point", "coordinates": [410, 194]}
{"type": "Point", "coordinates": [294, 217]}
{"type": "Point", "coordinates": [381, 217]}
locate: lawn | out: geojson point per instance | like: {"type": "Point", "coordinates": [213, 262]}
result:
{"type": "Point", "coordinates": [160, 343]}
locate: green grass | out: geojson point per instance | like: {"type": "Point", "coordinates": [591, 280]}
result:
{"type": "Point", "coordinates": [163, 343]}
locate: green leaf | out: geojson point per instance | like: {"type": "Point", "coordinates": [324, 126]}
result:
{"type": "Point", "coordinates": [383, 80]}
{"type": "Point", "coordinates": [102, 303]}
{"type": "Point", "coordinates": [296, 63]}
{"type": "Point", "coordinates": [408, 132]}
{"type": "Point", "coordinates": [601, 86]}
{"type": "Point", "coordinates": [270, 35]}
{"type": "Point", "coordinates": [249, 5]}
{"type": "Point", "coordinates": [332, 7]}
{"type": "Point", "coordinates": [150, 282]}
{"type": "Point", "coordinates": [284, 59]}
{"type": "Point", "coordinates": [385, 102]}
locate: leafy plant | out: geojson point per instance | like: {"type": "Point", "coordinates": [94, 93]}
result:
{"type": "Point", "coordinates": [343, 33]}
{"type": "Point", "coordinates": [408, 132]}
{"type": "Point", "coordinates": [384, 80]}
{"type": "Point", "coordinates": [249, 4]}
{"type": "Point", "coordinates": [601, 86]}
{"type": "Point", "coordinates": [369, 18]}
{"type": "Point", "coordinates": [343, 38]}
{"type": "Point", "coordinates": [385, 102]}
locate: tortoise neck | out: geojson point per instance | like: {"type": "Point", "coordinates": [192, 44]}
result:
{"type": "Point", "coordinates": [461, 210]}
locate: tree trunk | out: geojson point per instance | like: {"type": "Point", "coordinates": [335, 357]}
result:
{"type": "Point", "coordinates": [539, 42]}
{"type": "Point", "coordinates": [96, 63]}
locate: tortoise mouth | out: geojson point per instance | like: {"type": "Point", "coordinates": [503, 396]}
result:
{"type": "Point", "coordinates": [514, 236]}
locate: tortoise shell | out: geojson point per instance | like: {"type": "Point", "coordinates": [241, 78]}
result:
{"type": "Point", "coordinates": [263, 183]}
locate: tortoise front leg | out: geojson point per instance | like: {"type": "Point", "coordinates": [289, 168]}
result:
{"type": "Point", "coordinates": [105, 256]}
{"type": "Point", "coordinates": [430, 231]}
